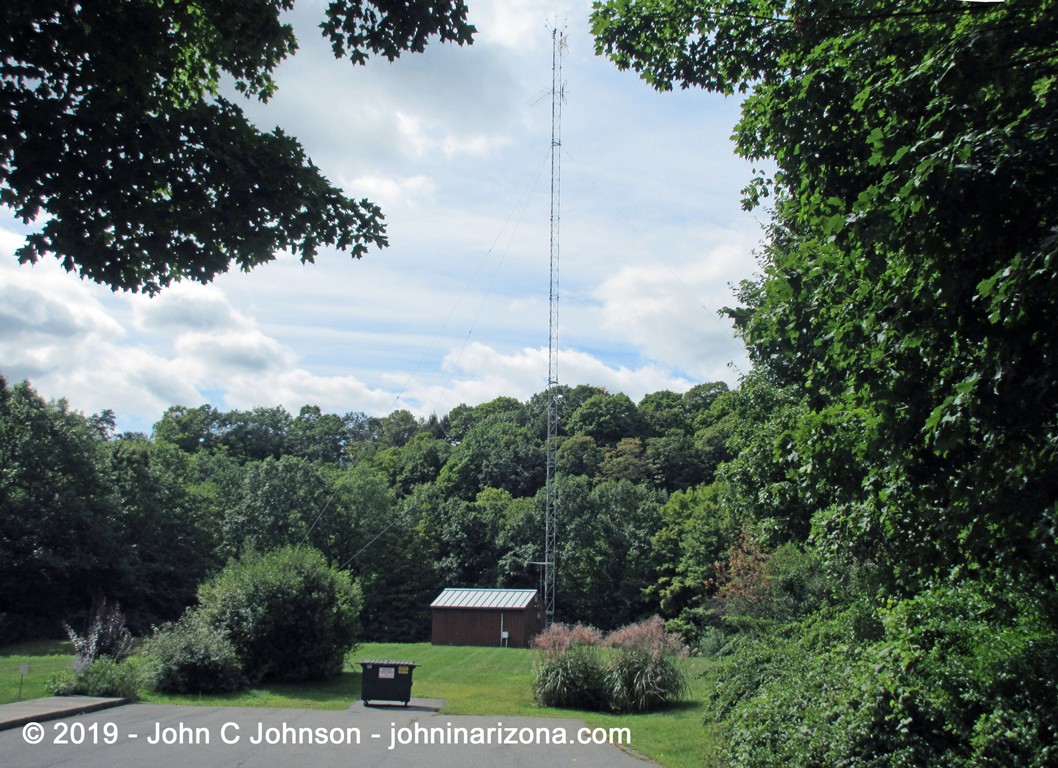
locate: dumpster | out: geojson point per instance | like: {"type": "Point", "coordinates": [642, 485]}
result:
{"type": "Point", "coordinates": [385, 680]}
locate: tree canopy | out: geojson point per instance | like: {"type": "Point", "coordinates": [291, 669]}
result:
{"type": "Point", "coordinates": [895, 452]}
{"type": "Point", "coordinates": [910, 267]}
{"type": "Point", "coordinates": [114, 134]}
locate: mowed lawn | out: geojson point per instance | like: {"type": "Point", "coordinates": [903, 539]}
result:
{"type": "Point", "coordinates": [43, 659]}
{"type": "Point", "coordinates": [472, 681]}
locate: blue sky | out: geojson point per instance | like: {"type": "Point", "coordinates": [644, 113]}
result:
{"type": "Point", "coordinates": [455, 310]}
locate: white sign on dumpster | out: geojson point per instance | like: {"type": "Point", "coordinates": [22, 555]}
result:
{"type": "Point", "coordinates": [385, 673]}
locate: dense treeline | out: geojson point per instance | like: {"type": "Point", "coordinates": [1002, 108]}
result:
{"type": "Point", "coordinates": [406, 505]}
{"type": "Point", "coordinates": [894, 599]}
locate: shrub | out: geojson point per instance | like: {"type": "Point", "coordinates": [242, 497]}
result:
{"type": "Point", "coordinates": [107, 635]}
{"type": "Point", "coordinates": [638, 680]}
{"type": "Point", "coordinates": [190, 657]}
{"type": "Point", "coordinates": [573, 679]}
{"type": "Point", "coordinates": [289, 615]}
{"type": "Point", "coordinates": [961, 677]}
{"type": "Point", "coordinates": [103, 677]}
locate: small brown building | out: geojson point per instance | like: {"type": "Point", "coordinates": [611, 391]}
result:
{"type": "Point", "coordinates": [498, 617]}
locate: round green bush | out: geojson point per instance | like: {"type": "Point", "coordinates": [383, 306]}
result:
{"type": "Point", "coordinates": [290, 616]}
{"type": "Point", "coordinates": [191, 657]}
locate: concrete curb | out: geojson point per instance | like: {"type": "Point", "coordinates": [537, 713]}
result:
{"type": "Point", "coordinates": [52, 708]}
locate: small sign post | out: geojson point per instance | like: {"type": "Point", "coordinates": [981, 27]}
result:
{"type": "Point", "coordinates": [21, 675]}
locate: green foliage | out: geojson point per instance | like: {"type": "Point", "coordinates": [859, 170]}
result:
{"type": "Point", "coordinates": [961, 677]}
{"type": "Point", "coordinates": [289, 615]}
{"type": "Point", "coordinates": [606, 418]}
{"type": "Point", "coordinates": [700, 399]}
{"type": "Point", "coordinates": [361, 504]}
{"type": "Point", "coordinates": [908, 281]}
{"type": "Point", "coordinates": [474, 537]}
{"type": "Point", "coordinates": [605, 549]}
{"type": "Point", "coordinates": [639, 681]}
{"type": "Point", "coordinates": [395, 564]}
{"type": "Point", "coordinates": [496, 453]}
{"type": "Point", "coordinates": [695, 532]}
{"type": "Point", "coordinates": [420, 461]}
{"type": "Point", "coordinates": [105, 677]}
{"type": "Point", "coordinates": [160, 177]}
{"type": "Point", "coordinates": [189, 429]}
{"type": "Point", "coordinates": [678, 462]}
{"type": "Point", "coordinates": [165, 535]}
{"type": "Point", "coordinates": [54, 505]}
{"type": "Point", "coordinates": [627, 461]}
{"type": "Point", "coordinates": [398, 428]}
{"type": "Point", "coordinates": [190, 656]}
{"type": "Point", "coordinates": [663, 412]}
{"type": "Point", "coordinates": [256, 434]}
{"type": "Point", "coordinates": [579, 455]}
{"type": "Point", "coordinates": [574, 679]}
{"type": "Point", "coordinates": [280, 499]}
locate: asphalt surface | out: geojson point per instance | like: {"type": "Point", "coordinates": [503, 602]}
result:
{"type": "Point", "coordinates": [161, 736]}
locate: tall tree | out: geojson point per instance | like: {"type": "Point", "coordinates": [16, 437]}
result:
{"type": "Point", "coordinates": [911, 269]}
{"type": "Point", "coordinates": [56, 547]}
{"type": "Point", "coordinates": [164, 536]}
{"type": "Point", "coordinates": [112, 129]}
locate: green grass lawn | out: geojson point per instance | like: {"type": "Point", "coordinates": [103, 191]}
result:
{"type": "Point", "coordinates": [472, 681]}
{"type": "Point", "coordinates": [43, 659]}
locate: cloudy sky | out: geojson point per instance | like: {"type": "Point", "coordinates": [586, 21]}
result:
{"type": "Point", "coordinates": [455, 310]}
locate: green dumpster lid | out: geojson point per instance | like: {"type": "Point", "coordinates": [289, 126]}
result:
{"type": "Point", "coordinates": [390, 663]}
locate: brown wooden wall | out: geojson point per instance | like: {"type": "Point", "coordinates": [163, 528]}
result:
{"type": "Point", "coordinates": [481, 626]}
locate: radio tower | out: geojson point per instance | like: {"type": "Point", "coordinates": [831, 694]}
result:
{"type": "Point", "coordinates": [558, 45]}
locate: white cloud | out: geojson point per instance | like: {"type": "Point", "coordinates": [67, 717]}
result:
{"type": "Point", "coordinates": [668, 310]}
{"type": "Point", "coordinates": [392, 193]}
{"type": "Point", "coordinates": [61, 333]}
{"type": "Point", "coordinates": [297, 387]}
{"type": "Point", "coordinates": [186, 305]}
{"type": "Point", "coordinates": [423, 136]}
{"type": "Point", "coordinates": [485, 373]}
{"type": "Point", "coordinates": [519, 24]}
{"type": "Point", "coordinates": [47, 317]}
{"type": "Point", "coordinates": [219, 354]}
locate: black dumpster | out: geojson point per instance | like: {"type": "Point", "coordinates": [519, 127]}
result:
{"type": "Point", "coordinates": [385, 680]}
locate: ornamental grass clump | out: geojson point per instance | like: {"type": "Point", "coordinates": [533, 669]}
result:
{"type": "Point", "coordinates": [640, 671]}
{"type": "Point", "coordinates": [644, 673]}
{"type": "Point", "coordinates": [572, 678]}
{"type": "Point", "coordinates": [639, 681]}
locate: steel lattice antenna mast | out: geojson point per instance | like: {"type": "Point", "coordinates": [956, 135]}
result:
{"type": "Point", "coordinates": [558, 42]}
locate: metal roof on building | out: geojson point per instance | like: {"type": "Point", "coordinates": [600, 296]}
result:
{"type": "Point", "coordinates": [484, 598]}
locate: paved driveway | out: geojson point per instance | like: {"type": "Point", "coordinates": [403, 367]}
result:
{"type": "Point", "coordinates": [156, 736]}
